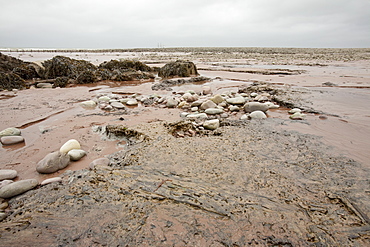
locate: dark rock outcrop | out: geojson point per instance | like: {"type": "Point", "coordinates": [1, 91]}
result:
{"type": "Point", "coordinates": [179, 68]}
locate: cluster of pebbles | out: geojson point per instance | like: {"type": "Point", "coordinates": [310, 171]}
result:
{"type": "Point", "coordinates": [52, 162]}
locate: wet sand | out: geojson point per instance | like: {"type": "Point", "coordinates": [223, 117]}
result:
{"type": "Point", "coordinates": [49, 117]}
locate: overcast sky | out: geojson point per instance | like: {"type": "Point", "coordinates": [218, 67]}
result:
{"type": "Point", "coordinates": [180, 23]}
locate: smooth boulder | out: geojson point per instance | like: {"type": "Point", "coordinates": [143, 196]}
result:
{"type": "Point", "coordinates": [213, 111]}
{"type": "Point", "coordinates": [255, 106]}
{"type": "Point", "coordinates": [236, 101]}
{"type": "Point", "coordinates": [10, 132]}
{"type": "Point", "coordinates": [10, 140]}
{"type": "Point", "coordinates": [76, 154]}
{"type": "Point", "coordinates": [53, 162]}
{"type": "Point", "coordinates": [211, 124]}
{"type": "Point", "coordinates": [17, 188]}
{"type": "Point", "coordinates": [69, 145]}
{"type": "Point", "coordinates": [7, 174]}
{"type": "Point", "coordinates": [257, 115]}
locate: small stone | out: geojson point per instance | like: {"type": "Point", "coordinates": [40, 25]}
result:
{"type": "Point", "coordinates": [172, 103]}
{"type": "Point", "coordinates": [196, 103]}
{"type": "Point", "coordinates": [2, 216]}
{"type": "Point", "coordinates": [257, 115]}
{"type": "Point", "coordinates": [10, 140]}
{"type": "Point", "coordinates": [104, 98]}
{"type": "Point", "coordinates": [44, 85]}
{"type": "Point", "coordinates": [8, 174]}
{"type": "Point", "coordinates": [132, 102]}
{"type": "Point", "coordinates": [99, 162]}
{"type": "Point", "coordinates": [195, 108]}
{"type": "Point", "coordinates": [5, 182]}
{"type": "Point", "coordinates": [234, 108]}
{"type": "Point", "coordinates": [17, 188]}
{"type": "Point", "coordinates": [213, 111]}
{"type": "Point", "coordinates": [69, 145]}
{"type": "Point", "coordinates": [3, 205]}
{"type": "Point", "coordinates": [53, 162]}
{"type": "Point", "coordinates": [88, 104]}
{"type": "Point", "coordinates": [76, 154]}
{"type": "Point", "coordinates": [10, 132]}
{"type": "Point", "coordinates": [197, 115]}
{"type": "Point", "coordinates": [184, 114]}
{"type": "Point", "coordinates": [117, 105]}
{"type": "Point", "coordinates": [211, 124]}
{"type": "Point", "coordinates": [224, 115]}
{"type": "Point", "coordinates": [294, 110]}
{"type": "Point", "coordinates": [255, 106]}
{"type": "Point", "coordinates": [208, 104]}
{"type": "Point", "coordinates": [183, 104]}
{"type": "Point", "coordinates": [206, 90]}
{"type": "Point", "coordinates": [236, 101]}
{"type": "Point", "coordinates": [244, 117]}
{"type": "Point", "coordinates": [271, 105]}
{"type": "Point", "coordinates": [217, 99]}
{"type": "Point", "coordinates": [254, 94]}
{"type": "Point", "coordinates": [297, 116]}
{"type": "Point", "coordinates": [51, 180]}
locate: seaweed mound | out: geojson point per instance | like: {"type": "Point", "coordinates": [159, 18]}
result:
{"type": "Point", "coordinates": [125, 65]}
{"type": "Point", "coordinates": [179, 68]}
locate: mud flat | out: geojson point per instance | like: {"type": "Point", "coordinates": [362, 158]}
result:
{"type": "Point", "coordinates": [269, 182]}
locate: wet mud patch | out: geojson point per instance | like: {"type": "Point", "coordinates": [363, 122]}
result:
{"type": "Point", "coordinates": [254, 184]}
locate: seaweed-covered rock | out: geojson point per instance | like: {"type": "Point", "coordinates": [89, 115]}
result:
{"type": "Point", "coordinates": [86, 77]}
{"type": "Point", "coordinates": [61, 82]}
{"type": "Point", "coordinates": [125, 65]}
{"type": "Point", "coordinates": [179, 68]}
{"type": "Point", "coordinates": [8, 63]}
{"type": "Point", "coordinates": [8, 81]}
{"type": "Point", "coordinates": [60, 66]}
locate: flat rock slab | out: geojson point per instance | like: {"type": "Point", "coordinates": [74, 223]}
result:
{"type": "Point", "coordinates": [10, 140]}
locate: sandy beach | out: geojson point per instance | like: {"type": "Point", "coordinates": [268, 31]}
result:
{"type": "Point", "coordinates": [273, 181]}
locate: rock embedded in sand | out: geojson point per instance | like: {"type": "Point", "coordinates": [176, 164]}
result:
{"type": "Point", "coordinates": [44, 85]}
{"type": "Point", "coordinates": [7, 174]}
{"type": "Point", "coordinates": [217, 99]}
{"type": "Point", "coordinates": [10, 132]}
{"type": "Point", "coordinates": [294, 110]}
{"type": "Point", "coordinates": [88, 104]}
{"type": "Point", "coordinates": [104, 99]}
{"type": "Point", "coordinates": [211, 124]}
{"type": "Point", "coordinates": [69, 145]}
{"type": "Point", "coordinates": [10, 140]}
{"type": "Point", "coordinates": [179, 68]}
{"type": "Point", "coordinates": [51, 180]}
{"type": "Point", "coordinates": [255, 106]}
{"type": "Point", "coordinates": [172, 103]}
{"type": "Point", "coordinates": [53, 162]}
{"type": "Point", "coordinates": [197, 115]}
{"type": "Point", "coordinates": [76, 154]}
{"type": "Point", "coordinates": [208, 104]}
{"type": "Point", "coordinates": [132, 102]}
{"type": "Point", "coordinates": [117, 105]}
{"type": "Point", "coordinates": [236, 101]}
{"type": "Point", "coordinates": [99, 162]}
{"type": "Point", "coordinates": [206, 90]}
{"type": "Point", "coordinates": [213, 111]}
{"type": "Point", "coordinates": [297, 116]}
{"type": "Point", "coordinates": [17, 188]}
{"type": "Point", "coordinates": [257, 115]}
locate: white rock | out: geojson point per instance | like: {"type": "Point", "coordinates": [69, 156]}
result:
{"type": "Point", "coordinates": [271, 105]}
{"type": "Point", "coordinates": [132, 102]}
{"type": "Point", "coordinates": [254, 94]}
{"type": "Point", "coordinates": [51, 180]}
{"type": "Point", "coordinates": [44, 85]}
{"type": "Point", "coordinates": [213, 111]}
{"type": "Point", "coordinates": [7, 174]}
{"type": "Point", "coordinates": [172, 103]}
{"type": "Point", "coordinates": [236, 101]}
{"type": "Point", "coordinates": [197, 115]}
{"type": "Point", "coordinates": [297, 116]}
{"type": "Point", "coordinates": [88, 104]}
{"type": "Point", "coordinates": [17, 188]}
{"type": "Point", "coordinates": [69, 145]}
{"type": "Point", "coordinates": [257, 115]}
{"type": "Point", "coordinates": [211, 124]}
{"type": "Point", "coordinates": [76, 154]}
{"type": "Point", "coordinates": [234, 108]}
{"type": "Point", "coordinates": [184, 114]}
{"type": "Point", "coordinates": [195, 108]}
{"type": "Point", "coordinates": [294, 110]}
{"type": "Point", "coordinates": [244, 117]}
{"type": "Point", "coordinates": [104, 98]}
{"type": "Point", "coordinates": [206, 90]}
{"type": "Point", "coordinates": [117, 105]}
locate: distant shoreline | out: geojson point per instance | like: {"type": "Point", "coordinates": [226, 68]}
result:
{"type": "Point", "coordinates": [265, 50]}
